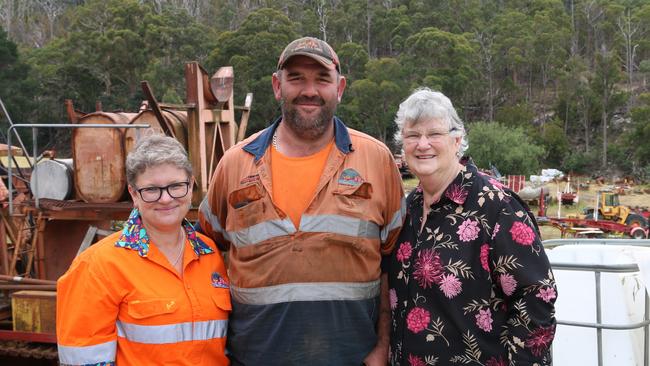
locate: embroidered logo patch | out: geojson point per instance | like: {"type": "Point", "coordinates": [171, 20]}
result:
{"type": "Point", "coordinates": [350, 177]}
{"type": "Point", "coordinates": [218, 281]}
{"type": "Point", "coordinates": [250, 179]}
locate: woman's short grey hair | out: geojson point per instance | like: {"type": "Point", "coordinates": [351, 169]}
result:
{"type": "Point", "coordinates": [425, 104]}
{"type": "Point", "coordinates": [155, 150]}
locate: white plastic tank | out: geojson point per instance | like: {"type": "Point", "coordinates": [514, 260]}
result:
{"type": "Point", "coordinates": [622, 303]}
{"type": "Point", "coordinates": [53, 179]}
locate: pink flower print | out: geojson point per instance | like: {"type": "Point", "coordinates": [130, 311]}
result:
{"type": "Point", "coordinates": [497, 227]}
{"type": "Point", "coordinates": [392, 295]}
{"type": "Point", "coordinates": [456, 193]}
{"type": "Point", "coordinates": [547, 294]}
{"type": "Point", "coordinates": [428, 269]}
{"type": "Point", "coordinates": [450, 285]}
{"type": "Point", "coordinates": [508, 284]}
{"type": "Point", "coordinates": [468, 230]}
{"type": "Point", "coordinates": [404, 251]}
{"type": "Point", "coordinates": [540, 340]}
{"type": "Point", "coordinates": [417, 319]}
{"type": "Point", "coordinates": [485, 252]}
{"type": "Point", "coordinates": [494, 362]}
{"type": "Point", "coordinates": [484, 320]}
{"type": "Point", "coordinates": [522, 233]}
{"type": "Point", "coordinates": [416, 361]}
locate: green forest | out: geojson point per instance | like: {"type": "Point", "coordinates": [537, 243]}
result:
{"type": "Point", "coordinates": [539, 83]}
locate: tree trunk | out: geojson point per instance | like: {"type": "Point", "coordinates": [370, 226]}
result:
{"type": "Point", "coordinates": [604, 161]}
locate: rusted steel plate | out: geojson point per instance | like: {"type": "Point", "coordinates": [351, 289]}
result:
{"type": "Point", "coordinates": [10, 335]}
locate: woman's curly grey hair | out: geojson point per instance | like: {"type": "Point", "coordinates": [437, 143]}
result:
{"type": "Point", "coordinates": [424, 104]}
{"type": "Point", "coordinates": [156, 150]}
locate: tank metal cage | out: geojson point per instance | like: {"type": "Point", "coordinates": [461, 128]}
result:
{"type": "Point", "coordinates": [598, 269]}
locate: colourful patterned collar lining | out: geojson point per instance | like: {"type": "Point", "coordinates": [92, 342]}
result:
{"type": "Point", "coordinates": [134, 236]}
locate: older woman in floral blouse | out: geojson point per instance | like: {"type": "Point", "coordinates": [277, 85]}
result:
{"type": "Point", "coordinates": [469, 280]}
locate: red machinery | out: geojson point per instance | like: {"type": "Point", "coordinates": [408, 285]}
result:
{"type": "Point", "coordinates": [589, 227]}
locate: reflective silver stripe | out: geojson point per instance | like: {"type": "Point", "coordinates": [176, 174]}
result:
{"type": "Point", "coordinates": [103, 352]}
{"type": "Point", "coordinates": [262, 231]}
{"type": "Point", "coordinates": [313, 291]}
{"type": "Point", "coordinates": [172, 333]}
{"type": "Point", "coordinates": [206, 210]}
{"type": "Point", "coordinates": [339, 224]}
{"type": "Point", "coordinates": [395, 222]}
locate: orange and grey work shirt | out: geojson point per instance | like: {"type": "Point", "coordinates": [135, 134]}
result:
{"type": "Point", "coordinates": [122, 302]}
{"type": "Point", "coordinates": [306, 295]}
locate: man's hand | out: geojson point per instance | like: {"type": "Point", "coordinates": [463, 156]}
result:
{"type": "Point", "coordinates": [379, 355]}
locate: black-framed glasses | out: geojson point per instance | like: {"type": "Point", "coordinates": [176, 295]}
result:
{"type": "Point", "coordinates": [174, 190]}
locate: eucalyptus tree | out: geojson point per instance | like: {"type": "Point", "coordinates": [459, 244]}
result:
{"type": "Point", "coordinates": [441, 60]}
{"type": "Point", "coordinates": [371, 103]}
{"type": "Point", "coordinates": [253, 51]}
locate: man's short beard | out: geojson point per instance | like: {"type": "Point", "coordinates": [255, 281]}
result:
{"type": "Point", "coordinates": [308, 129]}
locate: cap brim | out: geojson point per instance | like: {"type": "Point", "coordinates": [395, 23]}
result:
{"type": "Point", "coordinates": [327, 63]}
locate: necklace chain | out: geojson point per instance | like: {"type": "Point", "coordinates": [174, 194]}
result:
{"type": "Point", "coordinates": [180, 252]}
{"type": "Point", "coordinates": [274, 142]}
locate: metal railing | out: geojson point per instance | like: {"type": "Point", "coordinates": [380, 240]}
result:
{"type": "Point", "coordinates": [35, 127]}
{"type": "Point", "coordinates": [605, 268]}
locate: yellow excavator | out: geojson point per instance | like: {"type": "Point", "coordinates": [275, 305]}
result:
{"type": "Point", "coordinates": [610, 208]}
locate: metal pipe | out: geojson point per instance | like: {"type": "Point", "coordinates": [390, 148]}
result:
{"type": "Point", "coordinates": [599, 318]}
{"type": "Point", "coordinates": [631, 326]}
{"type": "Point", "coordinates": [33, 281]}
{"type": "Point", "coordinates": [609, 268]}
{"type": "Point", "coordinates": [28, 287]}
{"type": "Point", "coordinates": [34, 154]}
{"type": "Point", "coordinates": [22, 146]}
{"type": "Point", "coordinates": [646, 347]}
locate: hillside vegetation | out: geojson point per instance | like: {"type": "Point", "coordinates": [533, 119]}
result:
{"type": "Point", "coordinates": [540, 83]}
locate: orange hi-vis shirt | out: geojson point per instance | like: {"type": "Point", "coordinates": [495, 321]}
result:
{"type": "Point", "coordinates": [125, 306]}
{"type": "Point", "coordinates": [293, 191]}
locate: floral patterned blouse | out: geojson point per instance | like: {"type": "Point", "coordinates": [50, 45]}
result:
{"type": "Point", "coordinates": [475, 286]}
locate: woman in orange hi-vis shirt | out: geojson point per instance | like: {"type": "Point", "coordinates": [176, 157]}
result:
{"type": "Point", "coordinates": [155, 293]}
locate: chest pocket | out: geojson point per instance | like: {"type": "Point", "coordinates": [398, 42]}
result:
{"type": "Point", "coordinates": [353, 199]}
{"type": "Point", "coordinates": [141, 309]}
{"type": "Point", "coordinates": [221, 298]}
{"type": "Point", "coordinates": [247, 205]}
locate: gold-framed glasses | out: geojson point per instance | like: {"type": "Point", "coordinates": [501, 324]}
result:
{"type": "Point", "coordinates": [432, 136]}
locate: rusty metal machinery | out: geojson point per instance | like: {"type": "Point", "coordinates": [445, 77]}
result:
{"type": "Point", "coordinates": [41, 237]}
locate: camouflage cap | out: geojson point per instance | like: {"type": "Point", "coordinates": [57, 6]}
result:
{"type": "Point", "coordinates": [315, 48]}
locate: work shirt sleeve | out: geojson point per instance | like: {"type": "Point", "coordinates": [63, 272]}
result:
{"type": "Point", "coordinates": [395, 211]}
{"type": "Point", "coordinates": [214, 208]}
{"type": "Point", "coordinates": [523, 273]}
{"type": "Point", "coordinates": [86, 315]}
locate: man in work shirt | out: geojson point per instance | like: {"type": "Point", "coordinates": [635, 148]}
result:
{"type": "Point", "coordinates": [306, 208]}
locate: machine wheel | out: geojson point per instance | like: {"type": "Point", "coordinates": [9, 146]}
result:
{"type": "Point", "coordinates": [638, 233]}
{"type": "Point", "coordinates": [636, 220]}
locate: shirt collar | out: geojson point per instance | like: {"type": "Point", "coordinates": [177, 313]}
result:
{"type": "Point", "coordinates": [258, 146]}
{"type": "Point", "coordinates": [134, 236]}
{"type": "Point", "coordinates": [459, 188]}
